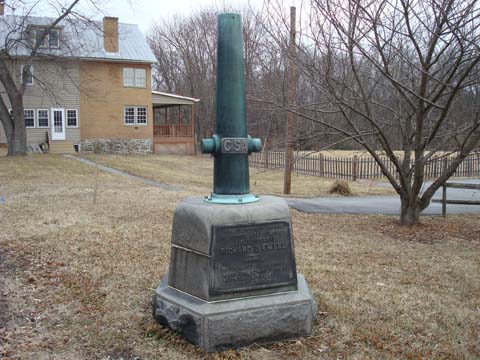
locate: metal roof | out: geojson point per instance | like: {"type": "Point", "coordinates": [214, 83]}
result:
{"type": "Point", "coordinates": [161, 98]}
{"type": "Point", "coordinates": [79, 39]}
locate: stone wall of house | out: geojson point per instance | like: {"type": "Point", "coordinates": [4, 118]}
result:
{"type": "Point", "coordinates": [117, 146]}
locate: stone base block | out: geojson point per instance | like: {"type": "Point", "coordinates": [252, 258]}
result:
{"type": "Point", "coordinates": [223, 252]}
{"type": "Point", "coordinates": [219, 325]}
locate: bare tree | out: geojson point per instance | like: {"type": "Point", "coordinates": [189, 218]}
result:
{"type": "Point", "coordinates": [185, 48]}
{"type": "Point", "coordinates": [398, 78]}
{"type": "Point", "coordinates": [393, 75]}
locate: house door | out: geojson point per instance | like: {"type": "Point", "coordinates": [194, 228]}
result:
{"type": "Point", "coordinates": [58, 124]}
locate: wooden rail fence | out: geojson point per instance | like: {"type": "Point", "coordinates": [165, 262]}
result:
{"type": "Point", "coordinates": [444, 200]}
{"type": "Point", "coordinates": [356, 167]}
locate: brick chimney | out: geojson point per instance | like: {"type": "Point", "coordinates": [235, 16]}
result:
{"type": "Point", "coordinates": [2, 7]}
{"type": "Point", "coordinates": [110, 33]}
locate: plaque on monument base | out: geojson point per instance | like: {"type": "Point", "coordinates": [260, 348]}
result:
{"type": "Point", "coordinates": [232, 278]}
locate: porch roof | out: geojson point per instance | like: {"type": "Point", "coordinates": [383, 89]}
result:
{"type": "Point", "coordinates": [161, 98]}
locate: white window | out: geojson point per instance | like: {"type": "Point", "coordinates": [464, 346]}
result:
{"type": "Point", "coordinates": [72, 118]}
{"type": "Point", "coordinates": [134, 77]}
{"type": "Point", "coordinates": [129, 115]}
{"type": "Point", "coordinates": [128, 77]}
{"type": "Point", "coordinates": [135, 115]}
{"type": "Point", "coordinates": [42, 118]}
{"type": "Point", "coordinates": [52, 39]}
{"type": "Point", "coordinates": [141, 115]}
{"type": "Point", "coordinates": [40, 39]}
{"type": "Point", "coordinates": [26, 74]}
{"type": "Point", "coordinates": [140, 78]}
{"type": "Point", "coordinates": [29, 116]}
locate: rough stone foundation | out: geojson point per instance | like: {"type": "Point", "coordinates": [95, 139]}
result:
{"type": "Point", "coordinates": [117, 146]}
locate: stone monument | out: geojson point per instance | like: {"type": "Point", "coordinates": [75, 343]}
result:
{"type": "Point", "coordinates": [232, 279]}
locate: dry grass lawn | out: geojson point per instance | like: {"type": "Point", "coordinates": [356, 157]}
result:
{"type": "Point", "coordinates": [78, 278]}
{"type": "Point", "coordinates": [195, 173]}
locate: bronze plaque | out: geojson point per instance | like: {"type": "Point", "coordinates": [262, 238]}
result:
{"type": "Point", "coordinates": [250, 257]}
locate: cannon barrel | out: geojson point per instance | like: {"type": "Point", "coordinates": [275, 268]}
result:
{"type": "Point", "coordinates": [230, 145]}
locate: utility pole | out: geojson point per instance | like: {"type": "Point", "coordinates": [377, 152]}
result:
{"type": "Point", "coordinates": [291, 92]}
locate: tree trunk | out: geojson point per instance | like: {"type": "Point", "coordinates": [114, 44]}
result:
{"type": "Point", "coordinates": [16, 138]}
{"type": "Point", "coordinates": [17, 145]}
{"type": "Point", "coordinates": [14, 128]}
{"type": "Point", "coordinates": [409, 212]}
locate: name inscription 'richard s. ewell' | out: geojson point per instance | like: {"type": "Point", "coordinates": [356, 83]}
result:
{"type": "Point", "coordinates": [254, 256]}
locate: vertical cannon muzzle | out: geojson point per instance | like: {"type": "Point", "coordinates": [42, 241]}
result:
{"type": "Point", "coordinates": [230, 145]}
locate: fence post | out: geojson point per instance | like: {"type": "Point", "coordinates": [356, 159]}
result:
{"type": "Point", "coordinates": [444, 189]}
{"type": "Point", "coordinates": [469, 165]}
{"type": "Point", "coordinates": [444, 200]}
{"type": "Point", "coordinates": [355, 165]}
{"type": "Point", "coordinates": [478, 164]}
{"type": "Point", "coordinates": [265, 153]}
{"type": "Point", "coordinates": [320, 165]}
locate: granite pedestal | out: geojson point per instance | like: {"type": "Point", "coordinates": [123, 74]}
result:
{"type": "Point", "coordinates": [232, 279]}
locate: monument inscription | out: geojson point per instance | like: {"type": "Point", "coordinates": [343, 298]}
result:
{"type": "Point", "coordinates": [253, 256]}
{"type": "Point", "coordinates": [234, 146]}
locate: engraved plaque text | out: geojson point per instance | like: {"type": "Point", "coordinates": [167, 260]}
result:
{"type": "Point", "coordinates": [254, 256]}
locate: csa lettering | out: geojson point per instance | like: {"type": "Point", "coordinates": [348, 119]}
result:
{"type": "Point", "coordinates": [235, 145]}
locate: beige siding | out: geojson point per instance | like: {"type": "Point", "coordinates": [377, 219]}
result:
{"type": "Point", "coordinates": [55, 85]}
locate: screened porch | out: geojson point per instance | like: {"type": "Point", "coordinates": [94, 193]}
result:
{"type": "Point", "coordinates": [173, 123]}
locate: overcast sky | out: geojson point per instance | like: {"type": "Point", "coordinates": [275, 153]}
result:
{"type": "Point", "coordinates": [146, 12]}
